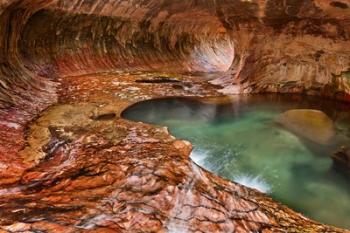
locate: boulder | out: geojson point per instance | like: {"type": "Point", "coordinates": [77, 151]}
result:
{"type": "Point", "coordinates": [312, 124]}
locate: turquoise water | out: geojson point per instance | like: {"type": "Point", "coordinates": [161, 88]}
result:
{"type": "Point", "coordinates": [241, 142]}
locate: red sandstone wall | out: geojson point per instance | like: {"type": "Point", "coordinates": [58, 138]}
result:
{"type": "Point", "coordinates": [277, 46]}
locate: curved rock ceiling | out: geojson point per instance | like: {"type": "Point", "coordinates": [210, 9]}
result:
{"type": "Point", "coordinates": [289, 46]}
{"type": "Point", "coordinates": [277, 46]}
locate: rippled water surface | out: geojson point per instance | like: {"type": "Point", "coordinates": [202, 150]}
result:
{"type": "Point", "coordinates": [241, 141]}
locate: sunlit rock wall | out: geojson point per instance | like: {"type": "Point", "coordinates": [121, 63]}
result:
{"type": "Point", "coordinates": [23, 93]}
{"type": "Point", "coordinates": [94, 36]}
{"type": "Point", "coordinates": [289, 46]}
{"type": "Point", "coordinates": [277, 46]}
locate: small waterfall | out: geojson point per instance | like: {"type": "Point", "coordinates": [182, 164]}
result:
{"type": "Point", "coordinates": [199, 156]}
{"type": "Point", "coordinates": [255, 182]}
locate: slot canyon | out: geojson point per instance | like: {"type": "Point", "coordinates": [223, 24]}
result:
{"type": "Point", "coordinates": [69, 70]}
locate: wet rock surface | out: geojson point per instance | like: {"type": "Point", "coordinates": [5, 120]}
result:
{"type": "Point", "coordinates": [113, 175]}
{"type": "Point", "coordinates": [69, 163]}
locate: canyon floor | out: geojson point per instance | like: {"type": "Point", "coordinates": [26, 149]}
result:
{"type": "Point", "coordinates": [86, 169]}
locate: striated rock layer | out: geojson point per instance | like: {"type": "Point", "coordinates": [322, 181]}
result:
{"type": "Point", "coordinates": [77, 166]}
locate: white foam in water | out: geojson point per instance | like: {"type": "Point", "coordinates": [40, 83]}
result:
{"type": "Point", "coordinates": [199, 155]}
{"type": "Point", "coordinates": [256, 182]}
{"type": "Point", "coordinates": [253, 182]}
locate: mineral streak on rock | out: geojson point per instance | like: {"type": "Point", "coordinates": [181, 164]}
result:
{"type": "Point", "coordinates": [79, 167]}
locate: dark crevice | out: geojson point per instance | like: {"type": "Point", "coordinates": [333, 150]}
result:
{"type": "Point", "coordinates": [104, 117]}
{"type": "Point", "coordinates": [159, 79]}
{"type": "Point", "coordinates": [339, 5]}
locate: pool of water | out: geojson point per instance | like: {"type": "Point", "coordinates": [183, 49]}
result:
{"type": "Point", "coordinates": [241, 141]}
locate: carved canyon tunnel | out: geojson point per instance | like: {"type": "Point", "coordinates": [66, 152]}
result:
{"type": "Point", "coordinates": [64, 170]}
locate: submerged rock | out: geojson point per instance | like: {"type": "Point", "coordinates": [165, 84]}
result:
{"type": "Point", "coordinates": [312, 124]}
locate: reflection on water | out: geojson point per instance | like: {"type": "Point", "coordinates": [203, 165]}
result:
{"type": "Point", "coordinates": [241, 142]}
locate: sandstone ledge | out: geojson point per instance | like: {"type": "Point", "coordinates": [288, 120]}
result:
{"type": "Point", "coordinates": [113, 175]}
{"type": "Point", "coordinates": [69, 163]}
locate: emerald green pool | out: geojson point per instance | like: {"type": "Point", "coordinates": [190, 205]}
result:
{"type": "Point", "coordinates": [241, 141]}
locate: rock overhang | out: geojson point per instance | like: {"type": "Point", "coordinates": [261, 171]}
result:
{"type": "Point", "coordinates": [259, 46]}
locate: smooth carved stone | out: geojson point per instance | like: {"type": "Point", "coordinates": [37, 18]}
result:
{"type": "Point", "coordinates": [79, 163]}
{"type": "Point", "coordinates": [312, 124]}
